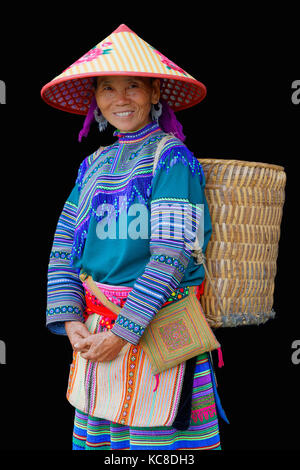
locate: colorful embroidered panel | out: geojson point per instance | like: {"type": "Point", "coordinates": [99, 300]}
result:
{"type": "Point", "coordinates": [115, 178]}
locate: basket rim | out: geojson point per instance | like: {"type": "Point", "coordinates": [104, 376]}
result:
{"type": "Point", "coordinates": [241, 163]}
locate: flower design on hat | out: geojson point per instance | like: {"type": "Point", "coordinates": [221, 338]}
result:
{"type": "Point", "coordinates": [169, 63]}
{"type": "Point", "coordinates": [95, 52]}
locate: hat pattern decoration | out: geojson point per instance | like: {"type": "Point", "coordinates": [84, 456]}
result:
{"type": "Point", "coordinates": [121, 53]}
{"type": "Point", "coordinates": [95, 52]}
{"type": "Point", "coordinates": [169, 63]}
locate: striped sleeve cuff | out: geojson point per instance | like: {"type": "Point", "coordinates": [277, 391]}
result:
{"type": "Point", "coordinates": [128, 329]}
{"type": "Point", "coordinates": [57, 315]}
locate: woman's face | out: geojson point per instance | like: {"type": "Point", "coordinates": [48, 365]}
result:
{"type": "Point", "coordinates": [125, 101]}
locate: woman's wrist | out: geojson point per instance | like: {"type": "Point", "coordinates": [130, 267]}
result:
{"type": "Point", "coordinates": [122, 340]}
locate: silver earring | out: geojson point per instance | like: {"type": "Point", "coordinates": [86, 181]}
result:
{"type": "Point", "coordinates": [156, 113]}
{"type": "Point", "coordinates": [102, 122]}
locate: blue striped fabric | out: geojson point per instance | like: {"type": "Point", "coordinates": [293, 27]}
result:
{"type": "Point", "coordinates": [65, 290]}
{"type": "Point", "coordinates": [170, 255]}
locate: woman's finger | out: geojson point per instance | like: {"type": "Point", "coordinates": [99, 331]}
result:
{"type": "Point", "coordinates": [89, 355]}
{"type": "Point", "coordinates": [82, 344]}
{"type": "Point", "coordinates": [84, 332]}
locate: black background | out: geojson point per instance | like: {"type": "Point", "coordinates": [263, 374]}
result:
{"type": "Point", "coordinates": [248, 61]}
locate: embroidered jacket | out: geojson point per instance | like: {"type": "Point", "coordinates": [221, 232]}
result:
{"type": "Point", "coordinates": [124, 225]}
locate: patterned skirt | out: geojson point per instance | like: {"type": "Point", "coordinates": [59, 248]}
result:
{"type": "Point", "coordinates": [196, 424]}
{"type": "Point", "coordinates": [91, 433]}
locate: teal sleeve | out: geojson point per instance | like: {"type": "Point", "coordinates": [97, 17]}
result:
{"type": "Point", "coordinates": [186, 182]}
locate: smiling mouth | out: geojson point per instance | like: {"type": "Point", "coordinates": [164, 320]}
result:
{"type": "Point", "coordinates": [123, 113]}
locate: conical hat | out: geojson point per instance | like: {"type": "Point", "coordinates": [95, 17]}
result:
{"type": "Point", "coordinates": [121, 53]}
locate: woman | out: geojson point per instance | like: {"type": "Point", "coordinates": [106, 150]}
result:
{"type": "Point", "coordinates": [129, 257]}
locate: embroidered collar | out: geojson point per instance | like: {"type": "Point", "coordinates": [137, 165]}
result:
{"type": "Point", "coordinates": [136, 136]}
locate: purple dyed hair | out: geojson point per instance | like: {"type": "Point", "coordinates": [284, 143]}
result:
{"type": "Point", "coordinates": [88, 120]}
{"type": "Point", "coordinates": [167, 121]}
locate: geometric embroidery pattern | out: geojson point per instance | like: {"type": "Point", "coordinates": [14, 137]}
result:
{"type": "Point", "coordinates": [175, 335]}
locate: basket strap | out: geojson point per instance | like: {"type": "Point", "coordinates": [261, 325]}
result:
{"type": "Point", "coordinates": [197, 250]}
{"type": "Point", "coordinates": [200, 259]}
{"type": "Point", "coordinates": [159, 149]}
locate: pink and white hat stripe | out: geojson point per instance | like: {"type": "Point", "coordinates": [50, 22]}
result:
{"type": "Point", "coordinates": [121, 53]}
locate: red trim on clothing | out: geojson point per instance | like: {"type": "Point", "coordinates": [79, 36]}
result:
{"type": "Point", "coordinates": [200, 290]}
{"type": "Point", "coordinates": [93, 305]}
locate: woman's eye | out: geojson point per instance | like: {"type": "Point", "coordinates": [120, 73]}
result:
{"type": "Point", "coordinates": [133, 85]}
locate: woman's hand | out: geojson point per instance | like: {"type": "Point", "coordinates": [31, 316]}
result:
{"type": "Point", "coordinates": [100, 347]}
{"type": "Point", "coordinates": [76, 331]}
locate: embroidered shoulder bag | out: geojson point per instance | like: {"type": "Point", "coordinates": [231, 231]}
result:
{"type": "Point", "coordinates": [178, 331]}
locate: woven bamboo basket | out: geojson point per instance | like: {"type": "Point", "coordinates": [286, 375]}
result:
{"type": "Point", "coordinates": [245, 200]}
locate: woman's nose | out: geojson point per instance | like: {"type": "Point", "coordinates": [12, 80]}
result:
{"type": "Point", "coordinates": [121, 97]}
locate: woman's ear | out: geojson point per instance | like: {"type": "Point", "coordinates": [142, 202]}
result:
{"type": "Point", "coordinates": [155, 91]}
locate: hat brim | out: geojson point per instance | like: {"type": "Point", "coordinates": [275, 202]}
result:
{"type": "Point", "coordinates": [74, 95]}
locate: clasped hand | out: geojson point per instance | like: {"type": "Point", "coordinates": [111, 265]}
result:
{"type": "Point", "coordinates": [98, 347]}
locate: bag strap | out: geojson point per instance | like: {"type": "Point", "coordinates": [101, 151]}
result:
{"type": "Point", "coordinates": [92, 286]}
